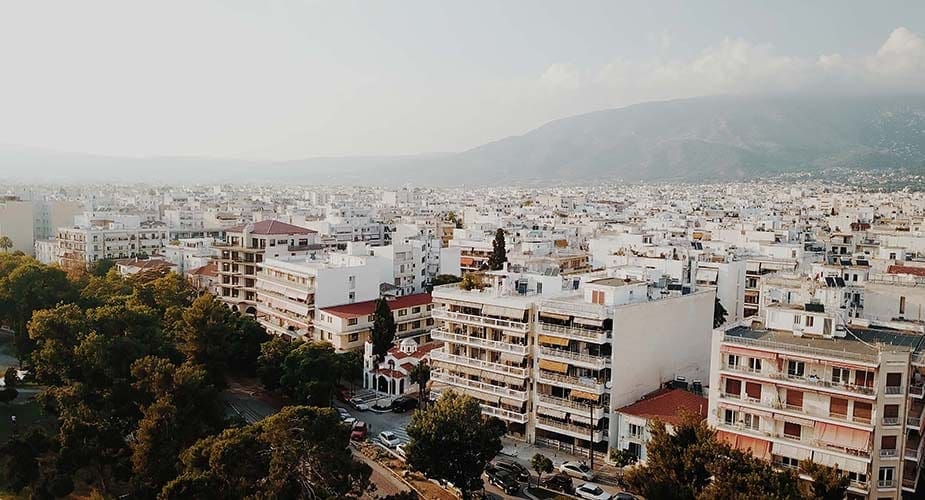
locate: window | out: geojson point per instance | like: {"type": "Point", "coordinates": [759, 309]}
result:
{"type": "Point", "coordinates": [838, 407]}
{"type": "Point", "coordinates": [840, 375]}
{"type": "Point", "coordinates": [635, 430]}
{"type": "Point", "coordinates": [733, 387]}
{"type": "Point", "coordinates": [796, 368]}
{"type": "Point", "coordinates": [809, 320]}
{"type": "Point", "coordinates": [403, 312]}
{"type": "Point", "coordinates": [902, 305]}
{"type": "Point", "coordinates": [731, 417]}
{"type": "Point", "coordinates": [352, 321]}
{"type": "Point", "coordinates": [890, 413]}
{"type": "Point", "coordinates": [597, 297]}
{"type": "Point", "coordinates": [862, 411]}
{"type": "Point", "coordinates": [752, 421]}
{"type": "Point", "coordinates": [754, 364]}
{"type": "Point", "coordinates": [371, 318]}
{"type": "Point", "coordinates": [796, 319]}
{"type": "Point", "coordinates": [888, 443]}
{"type": "Point", "coordinates": [351, 297]}
{"type": "Point", "coordinates": [790, 463]}
{"type": "Point", "coordinates": [753, 390]}
{"type": "Point", "coordinates": [733, 360]}
{"type": "Point", "coordinates": [415, 310]}
{"type": "Point", "coordinates": [886, 476]}
{"type": "Point", "coordinates": [894, 379]}
{"type": "Point", "coordinates": [794, 399]}
{"type": "Point", "coordinates": [353, 337]}
{"type": "Point", "coordinates": [864, 379]}
{"type": "Point", "coordinates": [793, 430]}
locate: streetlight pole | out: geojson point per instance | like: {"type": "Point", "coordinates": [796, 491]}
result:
{"type": "Point", "coordinates": [591, 441]}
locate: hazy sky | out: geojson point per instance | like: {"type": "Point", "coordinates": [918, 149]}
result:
{"type": "Point", "coordinates": [290, 79]}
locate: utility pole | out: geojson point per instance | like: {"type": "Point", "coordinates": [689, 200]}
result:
{"type": "Point", "coordinates": [591, 441]}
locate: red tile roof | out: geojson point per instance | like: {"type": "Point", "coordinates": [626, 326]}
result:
{"type": "Point", "coordinates": [915, 271]}
{"type": "Point", "coordinates": [366, 308]}
{"type": "Point", "coordinates": [210, 269]}
{"type": "Point", "coordinates": [665, 404]}
{"type": "Point", "coordinates": [271, 227]}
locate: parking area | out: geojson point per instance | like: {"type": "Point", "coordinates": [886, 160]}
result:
{"type": "Point", "coordinates": [381, 421]}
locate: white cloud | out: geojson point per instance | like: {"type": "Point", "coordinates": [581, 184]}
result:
{"type": "Point", "coordinates": [736, 65]}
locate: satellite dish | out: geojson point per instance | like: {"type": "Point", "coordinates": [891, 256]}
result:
{"type": "Point", "coordinates": [608, 385]}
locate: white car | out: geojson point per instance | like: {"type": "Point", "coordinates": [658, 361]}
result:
{"type": "Point", "coordinates": [591, 491]}
{"type": "Point", "coordinates": [389, 439]}
{"type": "Point", "coordinates": [346, 418]}
{"type": "Point", "coordinates": [359, 404]}
{"type": "Point", "coordinates": [577, 469]}
{"type": "Point", "coordinates": [400, 449]}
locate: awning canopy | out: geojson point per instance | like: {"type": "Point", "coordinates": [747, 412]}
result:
{"type": "Point", "coordinates": [588, 321]}
{"type": "Point", "coordinates": [841, 463]}
{"type": "Point", "coordinates": [503, 312]}
{"type": "Point", "coordinates": [759, 448]}
{"type": "Point", "coordinates": [549, 339]}
{"type": "Point", "coordinates": [580, 419]}
{"type": "Point", "coordinates": [843, 437]}
{"type": "Point", "coordinates": [743, 351]}
{"type": "Point", "coordinates": [786, 450]}
{"type": "Point", "coordinates": [511, 357]}
{"type": "Point", "coordinates": [583, 395]}
{"type": "Point", "coordinates": [560, 317]}
{"type": "Point", "coordinates": [549, 412]}
{"type": "Point", "coordinates": [553, 366]}
{"type": "Point", "coordinates": [466, 261]}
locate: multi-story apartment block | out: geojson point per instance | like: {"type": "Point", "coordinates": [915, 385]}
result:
{"type": "Point", "coordinates": [102, 236]}
{"type": "Point", "coordinates": [408, 266]}
{"type": "Point", "coordinates": [289, 292]}
{"type": "Point", "coordinates": [189, 253]}
{"type": "Point", "coordinates": [554, 357]}
{"type": "Point", "coordinates": [16, 223]}
{"type": "Point", "coordinates": [348, 326]}
{"type": "Point", "coordinates": [805, 385]}
{"type": "Point", "coordinates": [246, 246]}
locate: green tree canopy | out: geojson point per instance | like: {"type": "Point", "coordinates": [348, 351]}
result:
{"type": "Point", "coordinates": [310, 374]}
{"type": "Point", "coordinates": [383, 332]}
{"type": "Point", "coordinates": [453, 441]}
{"type": "Point", "coordinates": [498, 252]}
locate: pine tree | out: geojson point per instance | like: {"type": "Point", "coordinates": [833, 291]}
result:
{"type": "Point", "coordinates": [383, 333]}
{"type": "Point", "coordinates": [499, 252]}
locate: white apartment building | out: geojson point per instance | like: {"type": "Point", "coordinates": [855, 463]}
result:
{"type": "Point", "coordinates": [289, 292]}
{"type": "Point", "coordinates": [348, 326]}
{"type": "Point", "coordinates": [99, 236]}
{"type": "Point", "coordinates": [805, 385]}
{"type": "Point", "coordinates": [345, 224]}
{"type": "Point", "coordinates": [16, 222]}
{"type": "Point", "coordinates": [189, 253]}
{"type": "Point", "coordinates": [554, 358]}
{"type": "Point", "coordinates": [408, 266]}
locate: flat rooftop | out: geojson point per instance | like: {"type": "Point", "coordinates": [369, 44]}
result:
{"type": "Point", "coordinates": [614, 282]}
{"type": "Point", "coordinates": [866, 341]}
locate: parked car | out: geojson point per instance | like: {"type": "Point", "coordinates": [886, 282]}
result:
{"type": "Point", "coordinates": [359, 432]}
{"type": "Point", "coordinates": [402, 404]}
{"type": "Point", "coordinates": [504, 480]}
{"type": "Point", "coordinates": [400, 449]}
{"type": "Point", "coordinates": [577, 469]}
{"type": "Point", "coordinates": [625, 496]}
{"type": "Point", "coordinates": [591, 491]}
{"type": "Point", "coordinates": [389, 439]}
{"type": "Point", "coordinates": [559, 482]}
{"type": "Point", "coordinates": [358, 404]}
{"type": "Point", "coordinates": [518, 471]}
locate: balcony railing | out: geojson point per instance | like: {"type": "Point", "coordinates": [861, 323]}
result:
{"type": "Point", "coordinates": [441, 355]}
{"type": "Point", "coordinates": [890, 483]}
{"type": "Point", "coordinates": [495, 345]}
{"type": "Point", "coordinates": [577, 430]}
{"type": "Point", "coordinates": [574, 332]}
{"type": "Point", "coordinates": [520, 418]}
{"type": "Point", "coordinates": [571, 404]}
{"type": "Point", "coordinates": [893, 390]}
{"type": "Point", "coordinates": [911, 454]}
{"type": "Point", "coordinates": [890, 421]}
{"type": "Point", "coordinates": [794, 348]}
{"type": "Point", "coordinates": [597, 362]}
{"type": "Point", "coordinates": [914, 422]}
{"type": "Point", "coordinates": [583, 383]}
{"type": "Point", "coordinates": [888, 453]}
{"type": "Point", "coordinates": [479, 386]}
{"type": "Point", "coordinates": [444, 314]}
{"type": "Point", "coordinates": [917, 390]}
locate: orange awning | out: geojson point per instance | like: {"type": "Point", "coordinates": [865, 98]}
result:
{"type": "Point", "coordinates": [741, 351]}
{"type": "Point", "coordinates": [583, 395]}
{"type": "Point", "coordinates": [553, 366]}
{"type": "Point", "coordinates": [844, 437]}
{"type": "Point", "coordinates": [549, 339]}
{"type": "Point", "coordinates": [466, 261]}
{"type": "Point", "coordinates": [759, 448]}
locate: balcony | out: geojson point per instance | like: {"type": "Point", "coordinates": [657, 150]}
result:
{"type": "Point", "coordinates": [574, 358]}
{"type": "Point", "coordinates": [794, 348]}
{"type": "Point", "coordinates": [890, 421]}
{"type": "Point", "coordinates": [570, 404]}
{"type": "Point", "coordinates": [568, 380]}
{"type": "Point", "coordinates": [911, 454]}
{"type": "Point", "coordinates": [797, 410]}
{"type": "Point", "coordinates": [886, 484]}
{"type": "Point", "coordinates": [575, 332]}
{"type": "Point", "coordinates": [917, 390]}
{"type": "Point", "coordinates": [475, 385]}
{"type": "Point", "coordinates": [495, 345]}
{"type": "Point", "coordinates": [893, 390]}
{"type": "Point", "coordinates": [802, 381]}
{"type": "Point", "coordinates": [445, 357]}
{"type": "Point", "coordinates": [510, 416]}
{"type": "Point", "coordinates": [444, 314]}
{"type": "Point", "coordinates": [570, 429]}
{"type": "Point", "coordinates": [889, 453]}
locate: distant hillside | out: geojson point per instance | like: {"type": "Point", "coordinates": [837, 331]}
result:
{"type": "Point", "coordinates": [706, 138]}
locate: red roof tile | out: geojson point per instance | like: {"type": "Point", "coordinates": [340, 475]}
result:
{"type": "Point", "coordinates": [210, 269]}
{"type": "Point", "coordinates": [915, 271]}
{"type": "Point", "coordinates": [665, 404]}
{"type": "Point", "coordinates": [366, 308]}
{"type": "Point", "coordinates": [271, 227]}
